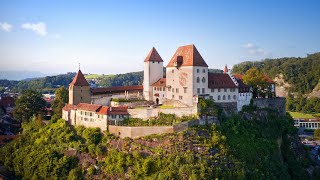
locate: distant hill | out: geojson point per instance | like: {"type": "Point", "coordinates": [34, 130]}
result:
{"type": "Point", "coordinates": [20, 75]}
{"type": "Point", "coordinates": [301, 74]}
{"type": "Point", "coordinates": [50, 83]}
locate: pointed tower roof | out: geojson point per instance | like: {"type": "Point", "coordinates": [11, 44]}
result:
{"type": "Point", "coordinates": [225, 71]}
{"type": "Point", "coordinates": [153, 56]}
{"type": "Point", "coordinates": [79, 80]}
{"type": "Point", "coordinates": [187, 56]}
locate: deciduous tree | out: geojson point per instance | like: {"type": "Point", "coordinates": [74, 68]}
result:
{"type": "Point", "coordinates": [30, 103]}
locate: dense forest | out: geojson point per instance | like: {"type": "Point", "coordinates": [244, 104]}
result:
{"type": "Point", "coordinates": [238, 148]}
{"type": "Point", "coordinates": [303, 74]}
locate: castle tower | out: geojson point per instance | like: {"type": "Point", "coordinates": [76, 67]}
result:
{"type": "Point", "coordinates": [226, 71]}
{"type": "Point", "coordinates": [153, 71]}
{"type": "Point", "coordinates": [79, 90]}
{"type": "Point", "coordinates": [186, 75]}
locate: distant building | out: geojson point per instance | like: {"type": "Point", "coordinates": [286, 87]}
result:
{"type": "Point", "coordinates": [313, 123]}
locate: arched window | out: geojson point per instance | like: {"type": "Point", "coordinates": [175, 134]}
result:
{"type": "Point", "coordinates": [234, 97]}
{"type": "Point", "coordinates": [198, 79]}
{"type": "Point", "coordinates": [224, 97]}
{"type": "Point", "coordinates": [229, 97]}
{"type": "Point", "coordinates": [219, 97]}
{"type": "Point", "coordinates": [203, 79]}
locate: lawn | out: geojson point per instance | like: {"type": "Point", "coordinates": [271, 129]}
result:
{"type": "Point", "coordinates": [166, 107]}
{"type": "Point", "coordinates": [304, 115]}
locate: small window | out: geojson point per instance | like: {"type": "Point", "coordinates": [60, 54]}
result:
{"type": "Point", "coordinates": [180, 97]}
{"type": "Point", "coordinates": [198, 90]}
{"type": "Point", "coordinates": [234, 97]}
{"type": "Point", "coordinates": [224, 97]}
{"type": "Point", "coordinates": [177, 90]}
{"type": "Point", "coordinates": [219, 90]}
{"type": "Point", "coordinates": [203, 79]}
{"type": "Point", "coordinates": [198, 79]}
{"type": "Point", "coordinates": [203, 91]}
{"type": "Point", "coordinates": [172, 71]}
{"type": "Point", "coordinates": [229, 97]}
{"type": "Point", "coordinates": [198, 70]}
{"type": "Point", "coordinates": [204, 71]}
{"type": "Point", "coordinates": [185, 89]}
{"type": "Point", "coordinates": [212, 90]}
{"type": "Point", "coordinates": [219, 97]}
{"type": "Point", "coordinates": [225, 89]}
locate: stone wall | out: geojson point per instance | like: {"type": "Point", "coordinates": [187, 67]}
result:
{"type": "Point", "coordinates": [146, 113]}
{"type": "Point", "coordinates": [278, 104]}
{"type": "Point", "coordinates": [228, 108]}
{"type": "Point", "coordinates": [135, 132]}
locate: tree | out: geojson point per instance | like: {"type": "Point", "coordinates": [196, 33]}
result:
{"type": "Point", "coordinates": [316, 134]}
{"type": "Point", "coordinates": [30, 103]}
{"type": "Point", "coordinates": [254, 78]}
{"type": "Point", "coordinates": [59, 102]}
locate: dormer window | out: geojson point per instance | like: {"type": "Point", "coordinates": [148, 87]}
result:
{"type": "Point", "coordinates": [178, 61]}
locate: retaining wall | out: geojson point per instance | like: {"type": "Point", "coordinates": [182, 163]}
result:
{"type": "Point", "coordinates": [135, 132]}
{"type": "Point", "coordinates": [147, 113]}
{"type": "Point", "coordinates": [278, 104]}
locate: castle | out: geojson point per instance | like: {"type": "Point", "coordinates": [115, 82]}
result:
{"type": "Point", "coordinates": [187, 78]}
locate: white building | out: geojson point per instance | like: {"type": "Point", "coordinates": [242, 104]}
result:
{"type": "Point", "coordinates": [188, 78]}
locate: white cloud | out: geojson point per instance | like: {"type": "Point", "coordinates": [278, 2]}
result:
{"type": "Point", "coordinates": [39, 28]}
{"type": "Point", "coordinates": [5, 26]}
{"type": "Point", "coordinates": [253, 49]}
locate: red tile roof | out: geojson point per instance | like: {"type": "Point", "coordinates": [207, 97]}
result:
{"type": "Point", "coordinates": [88, 107]}
{"type": "Point", "coordinates": [160, 82]}
{"type": "Point", "coordinates": [103, 110]}
{"type": "Point", "coordinates": [7, 101]}
{"type": "Point", "coordinates": [269, 80]}
{"type": "Point", "coordinates": [187, 56]}
{"type": "Point", "coordinates": [118, 110]}
{"type": "Point", "coordinates": [116, 89]}
{"type": "Point", "coordinates": [220, 81]}
{"type": "Point", "coordinates": [240, 76]}
{"type": "Point", "coordinates": [153, 56]}
{"type": "Point", "coordinates": [79, 80]}
{"type": "Point", "coordinates": [69, 107]}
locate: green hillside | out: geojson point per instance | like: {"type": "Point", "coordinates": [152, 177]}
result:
{"type": "Point", "coordinates": [238, 148]}
{"type": "Point", "coordinates": [303, 74]}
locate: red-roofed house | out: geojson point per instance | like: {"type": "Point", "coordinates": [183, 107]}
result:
{"type": "Point", "coordinates": [93, 115]}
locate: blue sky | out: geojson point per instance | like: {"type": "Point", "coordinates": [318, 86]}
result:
{"type": "Point", "coordinates": [109, 37]}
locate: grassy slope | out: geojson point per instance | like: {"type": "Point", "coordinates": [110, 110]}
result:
{"type": "Point", "coordinates": [304, 115]}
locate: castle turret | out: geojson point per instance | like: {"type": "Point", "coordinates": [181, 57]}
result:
{"type": "Point", "coordinates": [79, 90]}
{"type": "Point", "coordinates": [226, 71]}
{"type": "Point", "coordinates": [153, 71]}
